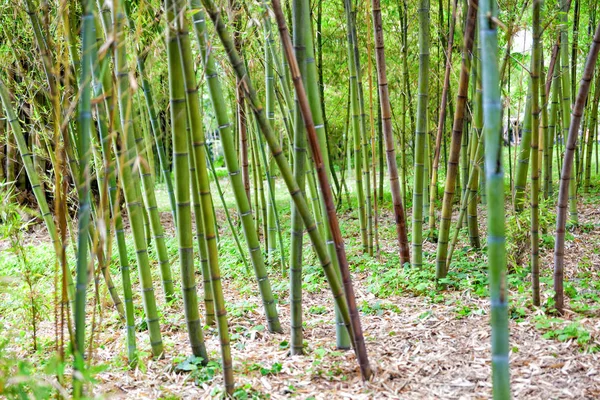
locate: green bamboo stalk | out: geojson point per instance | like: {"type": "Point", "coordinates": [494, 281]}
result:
{"type": "Point", "coordinates": [271, 194]}
{"type": "Point", "coordinates": [433, 187]}
{"type": "Point", "coordinates": [198, 140]}
{"type": "Point", "coordinates": [131, 181]}
{"type": "Point", "coordinates": [156, 228]}
{"type": "Point", "coordinates": [471, 183]}
{"type": "Point", "coordinates": [270, 109]}
{"type": "Point", "coordinates": [325, 187]}
{"type": "Point", "coordinates": [299, 20]}
{"type": "Point", "coordinates": [366, 171]}
{"type": "Point", "coordinates": [286, 173]}
{"type": "Point", "coordinates": [232, 228]}
{"type": "Point", "coordinates": [524, 155]}
{"type": "Point", "coordinates": [592, 134]}
{"type": "Point", "coordinates": [83, 189]}
{"type": "Point", "coordinates": [209, 306]}
{"type": "Point", "coordinates": [184, 168]}
{"type": "Point", "coordinates": [492, 125]}
{"type": "Point", "coordinates": [157, 133]}
{"type": "Point", "coordinates": [466, 198]}
{"type": "Point", "coordinates": [101, 75]}
{"type": "Point", "coordinates": [421, 131]}
{"type": "Point", "coordinates": [552, 129]}
{"type": "Point", "coordinates": [356, 126]}
{"type": "Point", "coordinates": [314, 99]}
{"type": "Point", "coordinates": [544, 146]}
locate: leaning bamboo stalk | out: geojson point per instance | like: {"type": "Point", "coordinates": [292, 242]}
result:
{"type": "Point", "coordinates": [314, 98]}
{"type": "Point", "coordinates": [433, 188]}
{"type": "Point", "coordinates": [317, 241]}
{"type": "Point", "coordinates": [131, 181]}
{"type": "Point", "coordinates": [566, 173]}
{"type": "Point", "coordinates": [27, 156]}
{"type": "Point", "coordinates": [356, 328]}
{"type": "Point", "coordinates": [592, 135]}
{"type": "Point", "coordinates": [455, 143]}
{"type": "Point", "coordinates": [566, 100]}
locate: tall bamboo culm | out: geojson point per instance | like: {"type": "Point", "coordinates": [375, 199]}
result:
{"type": "Point", "coordinates": [357, 131]}
{"type": "Point", "coordinates": [535, 135]}
{"type": "Point", "coordinates": [181, 164]}
{"type": "Point", "coordinates": [420, 139]}
{"type": "Point", "coordinates": [355, 325]}
{"type": "Point", "coordinates": [566, 100]}
{"type": "Point", "coordinates": [492, 125]}
{"type": "Point", "coordinates": [314, 98]}
{"type": "Point", "coordinates": [233, 168]}
{"type": "Point", "coordinates": [131, 180]}
{"type": "Point", "coordinates": [199, 156]}
{"type": "Point", "coordinates": [83, 188]}
{"type": "Point", "coordinates": [455, 143]}
{"type": "Point", "coordinates": [386, 116]}
{"type": "Point", "coordinates": [286, 173]}
{"type": "Point", "coordinates": [567, 169]}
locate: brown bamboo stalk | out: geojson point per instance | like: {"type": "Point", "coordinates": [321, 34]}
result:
{"type": "Point", "coordinates": [565, 176]}
{"type": "Point", "coordinates": [386, 116]}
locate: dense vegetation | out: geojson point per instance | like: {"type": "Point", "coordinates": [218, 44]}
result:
{"type": "Point", "coordinates": [169, 169]}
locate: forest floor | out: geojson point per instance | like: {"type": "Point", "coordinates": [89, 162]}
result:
{"type": "Point", "coordinates": [423, 343]}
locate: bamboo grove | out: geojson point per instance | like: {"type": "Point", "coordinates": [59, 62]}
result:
{"type": "Point", "coordinates": [333, 104]}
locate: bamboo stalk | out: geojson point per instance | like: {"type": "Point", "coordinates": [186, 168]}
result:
{"type": "Point", "coordinates": [386, 114]}
{"type": "Point", "coordinates": [492, 125]}
{"type": "Point", "coordinates": [567, 167]}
